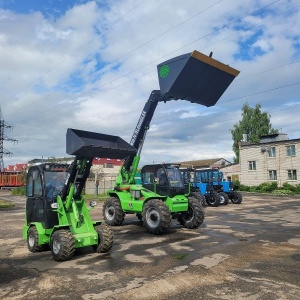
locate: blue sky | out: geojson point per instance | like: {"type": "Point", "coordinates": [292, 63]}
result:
{"type": "Point", "coordinates": [91, 65]}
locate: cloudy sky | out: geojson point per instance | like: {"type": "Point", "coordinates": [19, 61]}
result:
{"type": "Point", "coordinates": [91, 65]}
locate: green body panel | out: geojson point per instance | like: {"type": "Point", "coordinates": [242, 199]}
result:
{"type": "Point", "coordinates": [133, 197]}
{"type": "Point", "coordinates": [43, 234]}
{"type": "Point", "coordinates": [77, 219]}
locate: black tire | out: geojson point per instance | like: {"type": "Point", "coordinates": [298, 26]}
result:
{"type": "Point", "coordinates": [62, 245]}
{"type": "Point", "coordinates": [32, 240]}
{"type": "Point", "coordinates": [112, 212]}
{"type": "Point", "coordinates": [199, 197]}
{"type": "Point", "coordinates": [156, 216]}
{"type": "Point", "coordinates": [224, 199]}
{"type": "Point", "coordinates": [140, 217]}
{"type": "Point", "coordinates": [105, 238]}
{"type": "Point", "coordinates": [194, 217]}
{"type": "Point", "coordinates": [236, 198]}
{"type": "Point", "coordinates": [213, 199]}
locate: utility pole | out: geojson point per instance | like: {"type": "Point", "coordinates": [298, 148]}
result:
{"type": "Point", "coordinates": [3, 138]}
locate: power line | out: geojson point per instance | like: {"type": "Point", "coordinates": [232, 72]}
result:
{"type": "Point", "coordinates": [219, 121]}
{"type": "Point", "coordinates": [127, 74]}
{"type": "Point", "coordinates": [116, 60]}
{"type": "Point", "coordinates": [3, 137]}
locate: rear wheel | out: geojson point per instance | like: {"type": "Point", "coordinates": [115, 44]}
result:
{"type": "Point", "coordinates": [213, 199]}
{"type": "Point", "coordinates": [32, 240]}
{"type": "Point", "coordinates": [223, 198]}
{"type": "Point", "coordinates": [112, 212]}
{"type": "Point", "coordinates": [105, 238]}
{"type": "Point", "coordinates": [236, 198]}
{"type": "Point", "coordinates": [62, 245]}
{"type": "Point", "coordinates": [194, 217]}
{"type": "Point", "coordinates": [156, 216]}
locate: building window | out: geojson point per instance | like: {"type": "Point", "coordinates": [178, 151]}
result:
{"type": "Point", "coordinates": [252, 165]}
{"type": "Point", "coordinates": [108, 165]}
{"type": "Point", "coordinates": [292, 174]}
{"type": "Point", "coordinates": [272, 152]}
{"type": "Point", "coordinates": [290, 150]}
{"type": "Point", "coordinates": [272, 175]}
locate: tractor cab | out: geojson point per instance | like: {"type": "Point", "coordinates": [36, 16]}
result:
{"type": "Point", "coordinates": [44, 184]}
{"type": "Point", "coordinates": [164, 180]}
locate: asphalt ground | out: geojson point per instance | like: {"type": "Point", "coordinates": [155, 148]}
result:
{"type": "Point", "coordinates": [246, 251]}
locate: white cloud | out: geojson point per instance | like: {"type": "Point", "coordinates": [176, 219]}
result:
{"type": "Point", "coordinates": [93, 68]}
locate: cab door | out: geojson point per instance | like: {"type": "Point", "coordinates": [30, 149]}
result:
{"type": "Point", "coordinates": [35, 210]}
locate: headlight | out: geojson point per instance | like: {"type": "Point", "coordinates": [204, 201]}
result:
{"type": "Point", "coordinates": [54, 205]}
{"type": "Point", "coordinates": [93, 203]}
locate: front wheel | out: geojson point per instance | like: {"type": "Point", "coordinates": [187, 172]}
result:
{"type": "Point", "coordinates": [156, 216]}
{"type": "Point", "coordinates": [112, 212]}
{"type": "Point", "coordinates": [194, 217]}
{"type": "Point", "coordinates": [213, 199]}
{"type": "Point", "coordinates": [32, 240]}
{"type": "Point", "coordinates": [62, 245]}
{"type": "Point", "coordinates": [236, 198]}
{"type": "Point", "coordinates": [105, 238]}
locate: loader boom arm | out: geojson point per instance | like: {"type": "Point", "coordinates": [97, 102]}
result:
{"type": "Point", "coordinates": [194, 77]}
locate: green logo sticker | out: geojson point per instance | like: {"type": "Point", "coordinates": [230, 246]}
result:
{"type": "Point", "coordinates": [164, 71]}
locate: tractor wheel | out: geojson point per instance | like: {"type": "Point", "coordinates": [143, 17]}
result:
{"type": "Point", "coordinates": [32, 240]}
{"type": "Point", "coordinates": [236, 198]}
{"type": "Point", "coordinates": [213, 199]}
{"type": "Point", "coordinates": [224, 199]}
{"type": "Point", "coordinates": [105, 238]}
{"type": "Point", "coordinates": [156, 216]}
{"type": "Point", "coordinates": [194, 217]}
{"type": "Point", "coordinates": [62, 245]}
{"type": "Point", "coordinates": [112, 212]}
{"type": "Point", "coordinates": [140, 217]}
{"type": "Point", "coordinates": [199, 197]}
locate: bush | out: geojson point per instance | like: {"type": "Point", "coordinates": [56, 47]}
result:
{"type": "Point", "coordinates": [282, 192]}
{"type": "Point", "coordinates": [287, 186]}
{"type": "Point", "coordinates": [267, 187]}
{"type": "Point", "coordinates": [244, 188]}
{"type": "Point", "coordinates": [19, 191]}
{"type": "Point", "coordinates": [236, 185]}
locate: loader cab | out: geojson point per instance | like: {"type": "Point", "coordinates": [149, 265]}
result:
{"type": "Point", "coordinates": [44, 184]}
{"type": "Point", "coordinates": [164, 180]}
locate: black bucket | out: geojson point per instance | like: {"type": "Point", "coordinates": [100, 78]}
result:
{"type": "Point", "coordinates": [194, 77]}
{"type": "Point", "coordinates": [91, 144]}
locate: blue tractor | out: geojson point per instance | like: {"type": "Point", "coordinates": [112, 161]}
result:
{"type": "Point", "coordinates": [201, 188]}
{"type": "Point", "coordinates": [224, 188]}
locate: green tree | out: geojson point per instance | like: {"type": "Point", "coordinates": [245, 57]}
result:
{"type": "Point", "coordinates": [254, 123]}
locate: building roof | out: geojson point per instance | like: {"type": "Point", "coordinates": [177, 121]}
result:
{"type": "Point", "coordinates": [202, 163]}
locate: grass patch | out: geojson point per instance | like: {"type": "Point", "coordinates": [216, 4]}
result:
{"type": "Point", "coordinates": [98, 198]}
{"type": "Point", "coordinates": [179, 256]}
{"type": "Point", "coordinates": [6, 204]}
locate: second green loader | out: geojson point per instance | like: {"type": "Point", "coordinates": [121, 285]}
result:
{"type": "Point", "coordinates": [162, 195]}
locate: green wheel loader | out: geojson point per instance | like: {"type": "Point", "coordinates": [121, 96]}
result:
{"type": "Point", "coordinates": [57, 217]}
{"type": "Point", "coordinates": [196, 78]}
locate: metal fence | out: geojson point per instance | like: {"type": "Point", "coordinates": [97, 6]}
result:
{"type": "Point", "coordinates": [105, 183]}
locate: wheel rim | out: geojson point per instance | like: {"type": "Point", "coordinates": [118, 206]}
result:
{"type": "Point", "coordinates": [55, 246]}
{"type": "Point", "coordinates": [222, 199]}
{"type": "Point", "coordinates": [31, 240]}
{"type": "Point", "coordinates": [152, 217]}
{"type": "Point", "coordinates": [189, 215]}
{"type": "Point", "coordinates": [110, 213]}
